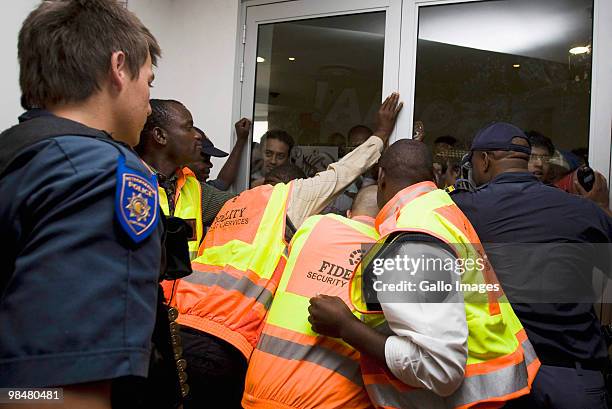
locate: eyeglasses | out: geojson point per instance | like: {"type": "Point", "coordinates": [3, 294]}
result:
{"type": "Point", "coordinates": [544, 158]}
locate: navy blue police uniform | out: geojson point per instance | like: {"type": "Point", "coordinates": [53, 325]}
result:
{"type": "Point", "coordinates": [81, 246]}
{"type": "Point", "coordinates": [514, 209]}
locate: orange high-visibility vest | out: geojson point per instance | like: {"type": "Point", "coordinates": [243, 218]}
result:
{"type": "Point", "coordinates": [292, 366]}
{"type": "Point", "coordinates": [238, 268]}
{"type": "Point", "coordinates": [501, 362]}
{"type": "Point", "coordinates": [187, 205]}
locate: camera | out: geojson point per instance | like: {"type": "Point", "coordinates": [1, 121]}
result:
{"type": "Point", "coordinates": [584, 175]}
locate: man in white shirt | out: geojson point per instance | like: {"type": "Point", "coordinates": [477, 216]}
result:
{"type": "Point", "coordinates": [423, 288]}
{"type": "Point", "coordinates": [429, 348]}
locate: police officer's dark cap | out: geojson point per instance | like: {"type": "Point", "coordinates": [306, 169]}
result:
{"type": "Point", "coordinates": [498, 137]}
{"type": "Point", "coordinates": [208, 148]}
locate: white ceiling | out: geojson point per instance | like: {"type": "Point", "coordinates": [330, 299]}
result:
{"type": "Point", "coordinates": [331, 49]}
{"type": "Point", "coordinates": [544, 29]}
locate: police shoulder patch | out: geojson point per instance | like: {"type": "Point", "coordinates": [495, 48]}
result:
{"type": "Point", "coordinates": [136, 202]}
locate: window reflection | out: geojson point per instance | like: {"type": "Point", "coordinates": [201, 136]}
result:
{"type": "Point", "coordinates": [517, 61]}
{"type": "Point", "coordinates": [318, 86]}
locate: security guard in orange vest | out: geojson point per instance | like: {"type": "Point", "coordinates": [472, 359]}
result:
{"type": "Point", "coordinates": [291, 366]}
{"type": "Point", "coordinates": [430, 337]}
{"type": "Point", "coordinates": [223, 304]}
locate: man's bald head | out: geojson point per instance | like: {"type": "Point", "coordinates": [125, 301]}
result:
{"type": "Point", "coordinates": [365, 203]}
{"type": "Point", "coordinates": [404, 163]}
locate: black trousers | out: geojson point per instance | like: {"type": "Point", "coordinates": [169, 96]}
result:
{"type": "Point", "coordinates": [215, 371]}
{"type": "Point", "coordinates": [558, 387]}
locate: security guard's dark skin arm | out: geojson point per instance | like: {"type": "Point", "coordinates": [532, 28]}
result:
{"type": "Point", "coordinates": [330, 316]}
{"type": "Point", "coordinates": [230, 169]}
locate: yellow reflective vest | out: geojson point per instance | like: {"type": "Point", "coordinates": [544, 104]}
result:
{"type": "Point", "coordinates": [240, 263]}
{"type": "Point", "coordinates": [187, 205]}
{"type": "Point", "coordinates": [501, 362]}
{"type": "Point", "coordinates": [292, 366]}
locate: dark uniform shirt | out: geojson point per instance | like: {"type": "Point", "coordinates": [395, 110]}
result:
{"type": "Point", "coordinates": [169, 184]}
{"type": "Point", "coordinates": [218, 184]}
{"type": "Point", "coordinates": [78, 297]}
{"type": "Point", "coordinates": [213, 200]}
{"type": "Point", "coordinates": [517, 208]}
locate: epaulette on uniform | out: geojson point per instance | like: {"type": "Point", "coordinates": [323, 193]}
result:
{"type": "Point", "coordinates": [463, 185]}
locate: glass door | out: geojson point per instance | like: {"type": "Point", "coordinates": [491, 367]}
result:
{"type": "Point", "coordinates": [313, 77]}
{"type": "Point", "coordinates": [542, 65]}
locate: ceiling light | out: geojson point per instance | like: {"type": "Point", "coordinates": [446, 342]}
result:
{"type": "Point", "coordinates": [261, 59]}
{"type": "Point", "coordinates": [516, 65]}
{"type": "Point", "coordinates": [291, 58]}
{"type": "Point", "coordinates": [579, 50]}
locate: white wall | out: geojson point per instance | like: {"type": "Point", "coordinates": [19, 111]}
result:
{"type": "Point", "coordinates": [198, 40]}
{"type": "Point", "coordinates": [11, 18]}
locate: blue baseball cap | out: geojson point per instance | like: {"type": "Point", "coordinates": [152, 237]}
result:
{"type": "Point", "coordinates": [498, 137]}
{"type": "Point", "coordinates": [208, 148]}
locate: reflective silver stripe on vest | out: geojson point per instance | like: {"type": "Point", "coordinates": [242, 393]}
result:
{"type": "Point", "coordinates": [228, 282]}
{"type": "Point", "coordinates": [474, 388]}
{"type": "Point", "coordinates": [315, 354]}
{"type": "Point", "coordinates": [193, 254]}
{"type": "Point", "coordinates": [530, 354]}
{"type": "Point", "coordinates": [403, 200]}
{"type": "Point", "coordinates": [478, 387]}
{"type": "Point", "coordinates": [387, 395]}
{"type": "Point", "coordinates": [502, 382]}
